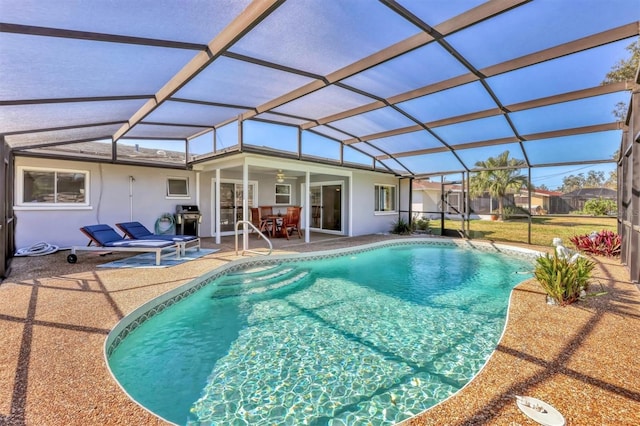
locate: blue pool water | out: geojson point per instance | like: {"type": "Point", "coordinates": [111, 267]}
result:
{"type": "Point", "coordinates": [367, 338]}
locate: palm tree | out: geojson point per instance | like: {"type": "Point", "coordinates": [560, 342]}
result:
{"type": "Point", "coordinates": [499, 175]}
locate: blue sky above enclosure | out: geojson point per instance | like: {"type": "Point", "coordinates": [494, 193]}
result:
{"type": "Point", "coordinates": [419, 87]}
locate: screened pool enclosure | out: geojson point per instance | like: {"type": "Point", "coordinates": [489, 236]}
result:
{"type": "Point", "coordinates": [414, 89]}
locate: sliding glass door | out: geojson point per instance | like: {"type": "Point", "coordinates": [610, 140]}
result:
{"type": "Point", "coordinates": [231, 193]}
{"type": "Point", "coordinates": [326, 207]}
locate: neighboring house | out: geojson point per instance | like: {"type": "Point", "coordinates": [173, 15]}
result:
{"type": "Point", "coordinates": [55, 197]}
{"type": "Point", "coordinates": [575, 200]}
{"type": "Point", "coordinates": [542, 201]}
{"type": "Point", "coordinates": [427, 199]}
{"type": "Point", "coordinates": [427, 196]}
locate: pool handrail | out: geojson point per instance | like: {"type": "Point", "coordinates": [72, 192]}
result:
{"type": "Point", "coordinates": [245, 249]}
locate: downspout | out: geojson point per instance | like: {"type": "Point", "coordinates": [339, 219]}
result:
{"type": "Point", "coordinates": [131, 180]}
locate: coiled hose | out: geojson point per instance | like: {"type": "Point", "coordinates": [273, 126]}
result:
{"type": "Point", "coordinates": [166, 229]}
{"type": "Point", "coordinates": [37, 249]}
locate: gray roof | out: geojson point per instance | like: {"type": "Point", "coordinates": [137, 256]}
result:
{"type": "Point", "coordinates": [592, 193]}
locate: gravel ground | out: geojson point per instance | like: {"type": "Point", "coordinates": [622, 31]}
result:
{"type": "Point", "coordinates": [54, 318]}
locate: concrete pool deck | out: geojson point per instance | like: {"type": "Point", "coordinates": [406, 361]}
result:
{"type": "Point", "coordinates": [54, 319]}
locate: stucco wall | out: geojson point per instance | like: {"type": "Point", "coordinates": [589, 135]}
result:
{"type": "Point", "coordinates": [426, 201]}
{"type": "Point", "coordinates": [366, 220]}
{"type": "Point", "coordinates": [265, 193]}
{"type": "Point", "coordinates": [109, 201]}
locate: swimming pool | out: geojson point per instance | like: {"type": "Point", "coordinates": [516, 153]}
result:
{"type": "Point", "coordinates": [372, 335]}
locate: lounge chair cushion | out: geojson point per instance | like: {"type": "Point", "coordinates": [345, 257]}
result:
{"type": "Point", "coordinates": [134, 229]}
{"type": "Point", "coordinates": [138, 231]}
{"type": "Point", "coordinates": [105, 236]}
{"type": "Point", "coordinates": [102, 234]}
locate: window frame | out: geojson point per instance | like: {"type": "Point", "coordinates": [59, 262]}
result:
{"type": "Point", "coordinates": [21, 204]}
{"type": "Point", "coordinates": [377, 201]}
{"type": "Point", "coordinates": [282, 194]}
{"type": "Point", "coordinates": [171, 195]}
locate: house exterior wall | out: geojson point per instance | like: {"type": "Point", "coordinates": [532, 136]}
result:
{"type": "Point", "coordinates": [426, 202]}
{"type": "Point", "coordinates": [366, 220]}
{"type": "Point", "coordinates": [265, 194]}
{"type": "Point", "coordinates": [431, 199]}
{"type": "Point", "coordinates": [539, 203]}
{"type": "Point", "coordinates": [430, 203]}
{"type": "Point", "coordinates": [109, 201]}
{"type": "Point", "coordinates": [417, 202]}
{"type": "Point", "coordinates": [328, 179]}
{"type": "Point", "coordinates": [538, 200]}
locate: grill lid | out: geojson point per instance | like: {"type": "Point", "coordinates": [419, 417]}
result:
{"type": "Point", "coordinates": [187, 208]}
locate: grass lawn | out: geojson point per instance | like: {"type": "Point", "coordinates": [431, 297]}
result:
{"type": "Point", "coordinates": [543, 228]}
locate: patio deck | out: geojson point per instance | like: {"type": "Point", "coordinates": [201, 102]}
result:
{"type": "Point", "coordinates": [54, 318]}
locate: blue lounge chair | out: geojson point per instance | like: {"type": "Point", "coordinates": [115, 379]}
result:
{"type": "Point", "coordinates": [106, 238]}
{"type": "Point", "coordinates": [137, 231]}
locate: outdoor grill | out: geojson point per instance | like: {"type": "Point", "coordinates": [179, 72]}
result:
{"type": "Point", "coordinates": [187, 219]}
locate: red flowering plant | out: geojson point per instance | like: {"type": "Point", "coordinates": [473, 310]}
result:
{"type": "Point", "coordinates": [603, 243]}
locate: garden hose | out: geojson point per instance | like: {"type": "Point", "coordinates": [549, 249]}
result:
{"type": "Point", "coordinates": [37, 249]}
{"type": "Point", "coordinates": [162, 227]}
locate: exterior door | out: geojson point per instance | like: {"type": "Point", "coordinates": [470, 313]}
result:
{"type": "Point", "coordinates": [231, 204]}
{"type": "Point", "coordinates": [326, 207]}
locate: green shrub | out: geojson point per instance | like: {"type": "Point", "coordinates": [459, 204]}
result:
{"type": "Point", "coordinates": [401, 227]}
{"type": "Point", "coordinates": [600, 207]}
{"type": "Point", "coordinates": [562, 279]}
{"type": "Point", "coordinates": [514, 212]}
{"type": "Point", "coordinates": [421, 224]}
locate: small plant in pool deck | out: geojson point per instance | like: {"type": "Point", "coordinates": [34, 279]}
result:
{"type": "Point", "coordinates": [603, 243]}
{"type": "Point", "coordinates": [563, 280]}
{"type": "Point", "coordinates": [401, 227]}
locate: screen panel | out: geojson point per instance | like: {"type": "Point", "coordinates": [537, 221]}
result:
{"type": "Point", "coordinates": [464, 99]}
{"type": "Point", "coordinates": [335, 34]}
{"type": "Point", "coordinates": [166, 20]}
{"type": "Point", "coordinates": [20, 118]}
{"type": "Point", "coordinates": [69, 68]}
{"type": "Point", "coordinates": [569, 115]}
{"type": "Point", "coordinates": [62, 136]}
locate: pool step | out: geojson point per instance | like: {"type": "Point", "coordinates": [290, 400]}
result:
{"type": "Point", "coordinates": [255, 275]}
{"type": "Point", "coordinates": [262, 284]}
{"type": "Point", "coordinates": [254, 270]}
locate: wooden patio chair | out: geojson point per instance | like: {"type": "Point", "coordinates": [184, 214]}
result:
{"type": "Point", "coordinates": [259, 221]}
{"type": "Point", "coordinates": [292, 221]}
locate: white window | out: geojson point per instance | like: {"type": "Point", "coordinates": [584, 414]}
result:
{"type": "Point", "coordinates": [178, 187]}
{"type": "Point", "coordinates": [52, 187]}
{"type": "Point", "coordinates": [385, 198]}
{"type": "Point", "coordinates": [283, 193]}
